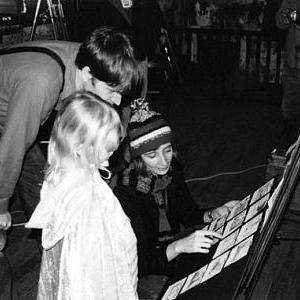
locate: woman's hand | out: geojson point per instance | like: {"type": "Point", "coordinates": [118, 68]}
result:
{"type": "Point", "coordinates": [232, 203]}
{"type": "Point", "coordinates": [222, 211]}
{"type": "Point", "coordinates": [199, 241]}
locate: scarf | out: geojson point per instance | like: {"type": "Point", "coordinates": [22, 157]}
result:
{"type": "Point", "coordinates": [157, 187]}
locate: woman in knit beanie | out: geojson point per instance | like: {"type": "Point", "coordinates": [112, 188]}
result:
{"type": "Point", "coordinates": [154, 195]}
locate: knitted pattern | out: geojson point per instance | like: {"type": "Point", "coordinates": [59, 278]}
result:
{"type": "Point", "coordinates": [147, 129]}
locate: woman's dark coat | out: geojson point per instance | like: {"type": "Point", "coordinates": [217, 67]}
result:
{"type": "Point", "coordinates": [143, 212]}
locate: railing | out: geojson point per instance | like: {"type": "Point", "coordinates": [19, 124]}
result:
{"type": "Point", "coordinates": [253, 51]}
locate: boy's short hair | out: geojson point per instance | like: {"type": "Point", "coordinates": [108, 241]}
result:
{"type": "Point", "coordinates": [110, 57]}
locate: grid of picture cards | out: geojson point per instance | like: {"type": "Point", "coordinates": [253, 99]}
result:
{"type": "Point", "coordinates": [238, 230]}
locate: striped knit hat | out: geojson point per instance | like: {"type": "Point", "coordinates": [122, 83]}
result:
{"type": "Point", "coordinates": [147, 130]}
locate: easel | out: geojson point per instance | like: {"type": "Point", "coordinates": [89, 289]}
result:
{"type": "Point", "coordinates": [57, 19]}
{"type": "Point", "coordinates": [271, 234]}
{"type": "Point", "coordinates": [276, 166]}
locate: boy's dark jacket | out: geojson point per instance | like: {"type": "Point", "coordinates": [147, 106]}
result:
{"type": "Point", "coordinates": [141, 208]}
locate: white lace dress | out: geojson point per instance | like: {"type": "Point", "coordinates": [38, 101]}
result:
{"type": "Point", "coordinates": [89, 245]}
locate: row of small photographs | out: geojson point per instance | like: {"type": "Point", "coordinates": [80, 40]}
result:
{"type": "Point", "coordinates": [209, 270]}
{"type": "Point", "coordinates": [246, 215]}
{"type": "Point", "coordinates": [225, 228]}
{"type": "Point", "coordinates": [234, 247]}
{"type": "Point", "coordinates": [257, 195]}
{"type": "Point", "coordinates": [263, 190]}
{"type": "Point", "coordinates": [236, 241]}
{"type": "Point", "coordinates": [238, 212]}
{"type": "Point", "coordinates": [248, 228]}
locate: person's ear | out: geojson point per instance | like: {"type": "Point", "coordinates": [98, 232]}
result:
{"type": "Point", "coordinates": [86, 74]}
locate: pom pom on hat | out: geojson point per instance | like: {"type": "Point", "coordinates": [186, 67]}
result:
{"type": "Point", "coordinates": [147, 130]}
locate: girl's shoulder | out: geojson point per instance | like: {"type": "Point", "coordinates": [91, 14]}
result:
{"type": "Point", "coordinates": [74, 181]}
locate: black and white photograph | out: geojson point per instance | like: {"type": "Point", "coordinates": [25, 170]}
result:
{"type": "Point", "coordinates": [263, 190]}
{"type": "Point", "coordinates": [250, 227]}
{"type": "Point", "coordinates": [239, 207]}
{"type": "Point", "coordinates": [257, 207]}
{"type": "Point", "coordinates": [239, 251]}
{"type": "Point", "coordinates": [215, 266]}
{"type": "Point", "coordinates": [226, 243]}
{"type": "Point", "coordinates": [234, 223]}
{"type": "Point", "coordinates": [173, 290]}
{"type": "Point", "coordinates": [193, 279]}
{"type": "Point", "coordinates": [140, 140]}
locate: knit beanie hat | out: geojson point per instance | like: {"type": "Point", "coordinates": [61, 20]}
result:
{"type": "Point", "coordinates": [147, 130]}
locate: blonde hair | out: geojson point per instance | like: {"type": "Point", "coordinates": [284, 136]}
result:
{"type": "Point", "coordinates": [82, 123]}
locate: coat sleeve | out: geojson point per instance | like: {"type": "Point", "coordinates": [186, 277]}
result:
{"type": "Point", "coordinates": [151, 259]}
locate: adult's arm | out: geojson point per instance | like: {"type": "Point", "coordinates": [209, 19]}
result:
{"type": "Point", "coordinates": [32, 97]}
{"type": "Point", "coordinates": [199, 241]}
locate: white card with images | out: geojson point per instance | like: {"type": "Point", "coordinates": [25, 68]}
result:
{"type": "Point", "coordinates": [249, 228]}
{"type": "Point", "coordinates": [173, 290]}
{"type": "Point", "coordinates": [226, 243]}
{"type": "Point", "coordinates": [216, 224]}
{"type": "Point", "coordinates": [234, 223]}
{"type": "Point", "coordinates": [220, 230]}
{"type": "Point", "coordinates": [239, 207]}
{"type": "Point", "coordinates": [257, 207]}
{"type": "Point", "coordinates": [263, 190]}
{"type": "Point", "coordinates": [193, 279]}
{"type": "Point", "coordinates": [215, 266]}
{"type": "Point", "coordinates": [239, 251]}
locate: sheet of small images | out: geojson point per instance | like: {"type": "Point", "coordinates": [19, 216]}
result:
{"type": "Point", "coordinates": [238, 230]}
{"type": "Point", "coordinates": [173, 290]}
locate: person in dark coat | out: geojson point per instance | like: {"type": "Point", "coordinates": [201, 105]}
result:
{"type": "Point", "coordinates": [154, 195]}
{"type": "Point", "coordinates": [141, 20]}
{"type": "Point", "coordinates": [32, 86]}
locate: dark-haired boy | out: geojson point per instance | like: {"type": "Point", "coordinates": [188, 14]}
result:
{"type": "Point", "coordinates": [32, 85]}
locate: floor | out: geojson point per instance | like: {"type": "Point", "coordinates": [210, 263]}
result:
{"type": "Point", "coordinates": [224, 135]}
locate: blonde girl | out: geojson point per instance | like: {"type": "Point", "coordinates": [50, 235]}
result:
{"type": "Point", "coordinates": [89, 246]}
